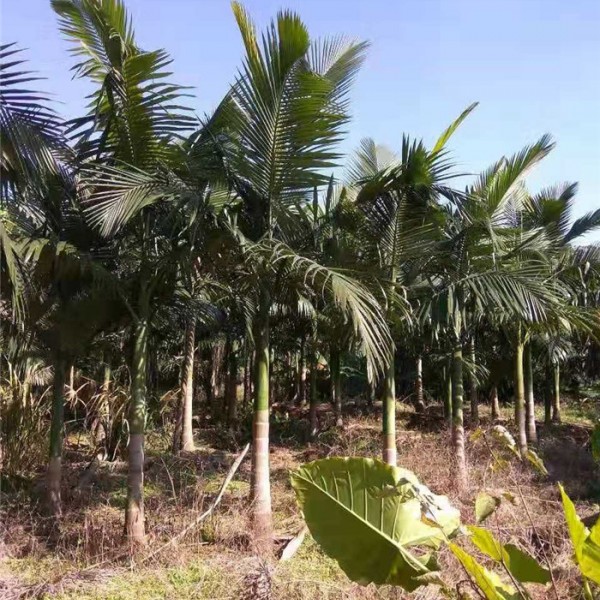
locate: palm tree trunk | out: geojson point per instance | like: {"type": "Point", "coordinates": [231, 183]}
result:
{"type": "Point", "coordinates": [495, 403]}
{"type": "Point", "coordinates": [313, 417]}
{"type": "Point", "coordinates": [274, 391]}
{"type": "Point", "coordinates": [103, 427]}
{"type": "Point", "coordinates": [372, 393]}
{"type": "Point", "coordinates": [419, 403]}
{"type": "Point", "coordinates": [71, 393]}
{"type": "Point", "coordinates": [26, 384]}
{"type": "Point", "coordinates": [134, 515]}
{"type": "Point", "coordinates": [389, 414]}
{"type": "Point", "coordinates": [215, 379]}
{"type": "Point", "coordinates": [473, 394]}
{"type": "Point", "coordinates": [187, 386]}
{"type": "Point", "coordinates": [448, 396]}
{"type": "Point", "coordinates": [520, 396]}
{"type": "Point", "coordinates": [458, 427]}
{"type": "Point", "coordinates": [336, 386]}
{"type": "Point", "coordinates": [231, 385]}
{"type": "Point", "coordinates": [302, 373]}
{"type": "Point", "coordinates": [56, 437]}
{"type": "Point", "coordinates": [529, 398]}
{"type": "Point", "coordinates": [260, 487]}
{"type": "Point", "coordinates": [556, 417]}
{"type": "Point", "coordinates": [548, 397]}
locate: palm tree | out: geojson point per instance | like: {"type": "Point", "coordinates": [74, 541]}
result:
{"type": "Point", "coordinates": [399, 196]}
{"type": "Point", "coordinates": [129, 131]}
{"type": "Point", "coordinates": [50, 252]}
{"type": "Point", "coordinates": [32, 144]}
{"type": "Point", "coordinates": [548, 214]}
{"type": "Point", "coordinates": [289, 109]}
{"type": "Point", "coordinates": [477, 273]}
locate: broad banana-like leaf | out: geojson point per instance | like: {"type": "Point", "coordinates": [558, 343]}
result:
{"type": "Point", "coordinates": [522, 566]}
{"type": "Point", "coordinates": [587, 551]}
{"type": "Point", "coordinates": [486, 542]}
{"type": "Point", "coordinates": [366, 515]}
{"type": "Point", "coordinates": [488, 582]}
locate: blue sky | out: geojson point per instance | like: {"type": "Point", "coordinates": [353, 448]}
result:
{"type": "Point", "coordinates": [534, 66]}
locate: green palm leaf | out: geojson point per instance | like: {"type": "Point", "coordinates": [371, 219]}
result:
{"type": "Point", "coordinates": [134, 112]}
{"type": "Point", "coordinates": [291, 96]}
{"type": "Point", "coordinates": [30, 131]}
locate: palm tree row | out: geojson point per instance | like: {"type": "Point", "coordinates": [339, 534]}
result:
{"type": "Point", "coordinates": [139, 230]}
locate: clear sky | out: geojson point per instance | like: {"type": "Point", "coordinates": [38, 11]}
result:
{"type": "Point", "coordinates": [534, 66]}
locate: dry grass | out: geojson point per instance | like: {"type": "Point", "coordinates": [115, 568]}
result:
{"type": "Point", "coordinates": [85, 558]}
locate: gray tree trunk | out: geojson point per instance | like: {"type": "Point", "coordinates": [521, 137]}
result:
{"type": "Point", "coordinates": [53, 477]}
{"type": "Point", "coordinates": [187, 386]}
{"type": "Point", "coordinates": [529, 397]}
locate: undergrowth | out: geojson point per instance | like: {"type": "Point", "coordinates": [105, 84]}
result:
{"type": "Point", "coordinates": [85, 559]}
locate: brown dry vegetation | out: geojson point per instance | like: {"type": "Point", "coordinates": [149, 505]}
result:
{"type": "Point", "coordinates": [84, 557]}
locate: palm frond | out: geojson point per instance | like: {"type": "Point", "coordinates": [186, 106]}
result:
{"type": "Point", "coordinates": [135, 112]}
{"type": "Point", "coordinates": [369, 160]}
{"type": "Point", "coordinates": [449, 131]}
{"type": "Point", "coordinates": [354, 301]}
{"type": "Point", "coordinates": [589, 222]}
{"type": "Point", "coordinates": [292, 99]}
{"type": "Point", "coordinates": [30, 130]}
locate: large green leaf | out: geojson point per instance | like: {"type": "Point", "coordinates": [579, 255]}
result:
{"type": "Point", "coordinates": [486, 542]}
{"type": "Point", "coordinates": [522, 566]}
{"type": "Point", "coordinates": [367, 515]}
{"type": "Point", "coordinates": [587, 552]}
{"type": "Point", "coordinates": [485, 505]}
{"type": "Point", "coordinates": [490, 585]}
{"type": "Point", "coordinates": [537, 462]}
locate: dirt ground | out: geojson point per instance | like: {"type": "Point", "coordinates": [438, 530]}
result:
{"type": "Point", "coordinates": [84, 557]}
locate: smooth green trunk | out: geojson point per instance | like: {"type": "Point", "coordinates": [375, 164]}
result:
{"type": "Point", "coordinates": [448, 396]}
{"type": "Point", "coordinates": [231, 385]}
{"type": "Point", "coordinates": [548, 397]}
{"type": "Point", "coordinates": [389, 415]}
{"type": "Point", "coordinates": [134, 516]}
{"type": "Point", "coordinates": [473, 393]}
{"type": "Point", "coordinates": [556, 416]}
{"type": "Point", "coordinates": [302, 372]}
{"type": "Point", "coordinates": [336, 385]}
{"type": "Point", "coordinates": [313, 399]}
{"type": "Point", "coordinates": [247, 376]}
{"type": "Point", "coordinates": [420, 401]}
{"type": "Point", "coordinates": [458, 426]}
{"type": "Point", "coordinates": [529, 397]}
{"type": "Point", "coordinates": [388, 421]}
{"type": "Point", "coordinates": [260, 487]}
{"type": "Point", "coordinates": [56, 437]}
{"type": "Point", "coordinates": [520, 396]}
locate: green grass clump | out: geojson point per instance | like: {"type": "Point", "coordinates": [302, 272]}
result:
{"type": "Point", "coordinates": [198, 581]}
